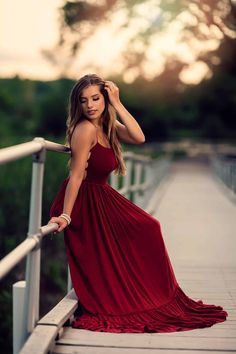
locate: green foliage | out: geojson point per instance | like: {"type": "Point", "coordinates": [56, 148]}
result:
{"type": "Point", "coordinates": [14, 195]}
{"type": "Point", "coordinates": [195, 111]}
{"type": "Point", "coordinates": [33, 108]}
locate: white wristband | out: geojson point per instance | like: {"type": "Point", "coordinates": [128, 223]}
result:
{"type": "Point", "coordinates": [66, 217]}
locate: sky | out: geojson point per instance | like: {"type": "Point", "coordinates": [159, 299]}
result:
{"type": "Point", "coordinates": [28, 26]}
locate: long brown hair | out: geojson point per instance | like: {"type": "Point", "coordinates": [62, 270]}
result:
{"type": "Point", "coordinates": [75, 115]}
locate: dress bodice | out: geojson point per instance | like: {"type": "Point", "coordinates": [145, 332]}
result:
{"type": "Point", "coordinates": [101, 163]}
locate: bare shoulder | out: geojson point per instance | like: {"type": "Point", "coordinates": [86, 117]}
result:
{"type": "Point", "coordinates": [84, 133]}
{"type": "Point", "coordinates": [85, 127]}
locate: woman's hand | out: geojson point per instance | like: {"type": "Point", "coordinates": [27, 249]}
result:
{"type": "Point", "coordinates": [60, 221]}
{"type": "Point", "coordinates": [113, 93]}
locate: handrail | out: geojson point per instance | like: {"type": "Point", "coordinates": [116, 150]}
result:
{"type": "Point", "coordinates": [15, 152]}
{"type": "Point", "coordinates": [15, 256]}
{"type": "Point", "coordinates": [25, 149]}
{"type": "Point", "coordinates": [31, 246]}
{"type": "Point", "coordinates": [225, 169]}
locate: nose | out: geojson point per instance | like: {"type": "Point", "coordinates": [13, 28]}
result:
{"type": "Point", "coordinates": [90, 103]}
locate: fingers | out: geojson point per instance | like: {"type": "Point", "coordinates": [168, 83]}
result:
{"type": "Point", "coordinates": [53, 219]}
{"type": "Point", "coordinates": [110, 85]}
{"type": "Point", "coordinates": [60, 228]}
{"type": "Point", "coordinates": [61, 224]}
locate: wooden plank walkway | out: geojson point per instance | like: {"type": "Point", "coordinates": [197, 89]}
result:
{"type": "Point", "coordinates": [198, 226]}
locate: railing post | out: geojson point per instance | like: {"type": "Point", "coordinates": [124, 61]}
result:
{"type": "Point", "coordinates": [18, 290]}
{"type": "Point", "coordinates": [138, 197]}
{"type": "Point", "coordinates": [31, 303]}
{"type": "Point", "coordinates": [225, 170]}
{"type": "Point", "coordinates": [234, 179]}
{"type": "Point", "coordinates": [114, 180]}
{"type": "Point", "coordinates": [127, 179]}
{"type": "Point", "coordinates": [69, 282]}
{"type": "Point", "coordinates": [148, 179]}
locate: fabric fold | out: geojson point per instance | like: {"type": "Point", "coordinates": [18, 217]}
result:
{"type": "Point", "coordinates": [181, 313]}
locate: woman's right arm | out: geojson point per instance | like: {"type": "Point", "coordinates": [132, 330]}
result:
{"type": "Point", "coordinates": [81, 143]}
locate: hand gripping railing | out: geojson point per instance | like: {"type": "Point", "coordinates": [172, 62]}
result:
{"type": "Point", "coordinates": [26, 293]}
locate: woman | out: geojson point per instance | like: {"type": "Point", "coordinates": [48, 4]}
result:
{"type": "Point", "coordinates": [119, 265]}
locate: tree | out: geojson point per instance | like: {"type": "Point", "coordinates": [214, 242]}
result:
{"type": "Point", "coordinates": [202, 21]}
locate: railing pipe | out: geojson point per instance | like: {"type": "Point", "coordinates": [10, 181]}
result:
{"type": "Point", "coordinates": [18, 151]}
{"type": "Point", "coordinates": [15, 256]}
{"type": "Point", "coordinates": [25, 149]}
{"type": "Point", "coordinates": [31, 304]}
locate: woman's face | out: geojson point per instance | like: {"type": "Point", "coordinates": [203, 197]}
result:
{"type": "Point", "coordinates": [92, 102]}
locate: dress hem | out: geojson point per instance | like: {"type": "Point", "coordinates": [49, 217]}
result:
{"type": "Point", "coordinates": [180, 313]}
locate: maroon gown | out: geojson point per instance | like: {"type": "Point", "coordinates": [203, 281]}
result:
{"type": "Point", "coordinates": [119, 264]}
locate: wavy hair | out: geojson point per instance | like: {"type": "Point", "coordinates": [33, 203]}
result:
{"type": "Point", "coordinates": [75, 115]}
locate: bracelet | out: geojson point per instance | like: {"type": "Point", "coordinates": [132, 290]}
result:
{"type": "Point", "coordinates": [66, 217]}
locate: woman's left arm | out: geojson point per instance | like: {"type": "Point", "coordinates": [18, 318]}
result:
{"type": "Point", "coordinates": [131, 131]}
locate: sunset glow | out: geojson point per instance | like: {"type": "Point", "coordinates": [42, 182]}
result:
{"type": "Point", "coordinates": [23, 38]}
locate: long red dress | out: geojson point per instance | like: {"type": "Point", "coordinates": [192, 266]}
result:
{"type": "Point", "coordinates": [119, 265]}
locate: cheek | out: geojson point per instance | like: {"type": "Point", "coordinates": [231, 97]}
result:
{"type": "Point", "coordinates": [83, 107]}
{"type": "Point", "coordinates": [102, 105]}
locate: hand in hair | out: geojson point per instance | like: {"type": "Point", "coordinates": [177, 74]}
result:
{"type": "Point", "coordinates": [113, 93]}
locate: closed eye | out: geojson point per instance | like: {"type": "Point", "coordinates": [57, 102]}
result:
{"type": "Point", "coordinates": [83, 99]}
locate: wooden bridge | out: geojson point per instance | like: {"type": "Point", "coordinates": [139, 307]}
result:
{"type": "Point", "coordinates": [197, 213]}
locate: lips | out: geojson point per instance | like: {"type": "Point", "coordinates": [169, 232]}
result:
{"type": "Point", "coordinates": [91, 112]}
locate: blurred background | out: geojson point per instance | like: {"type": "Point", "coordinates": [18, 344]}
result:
{"type": "Point", "coordinates": [174, 62]}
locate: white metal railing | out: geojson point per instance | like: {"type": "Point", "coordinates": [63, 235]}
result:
{"type": "Point", "coordinates": [147, 173]}
{"type": "Point", "coordinates": [225, 169]}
